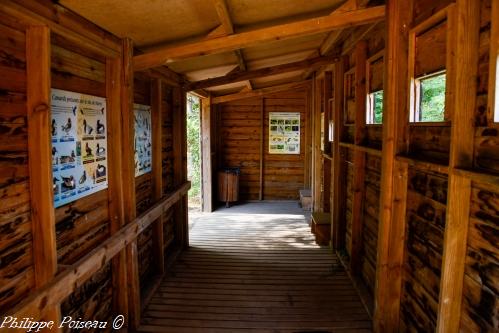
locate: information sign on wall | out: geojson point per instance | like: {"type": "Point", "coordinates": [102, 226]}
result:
{"type": "Point", "coordinates": [284, 133]}
{"type": "Point", "coordinates": [143, 139]}
{"type": "Point", "coordinates": [79, 145]}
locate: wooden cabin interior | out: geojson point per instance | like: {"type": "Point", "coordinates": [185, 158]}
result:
{"type": "Point", "coordinates": [393, 107]}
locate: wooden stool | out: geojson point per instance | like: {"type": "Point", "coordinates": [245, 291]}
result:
{"type": "Point", "coordinates": [321, 228]}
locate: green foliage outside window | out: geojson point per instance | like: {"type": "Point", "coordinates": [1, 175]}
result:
{"type": "Point", "coordinates": [194, 148]}
{"type": "Point", "coordinates": [378, 107]}
{"type": "Point", "coordinates": [432, 94]}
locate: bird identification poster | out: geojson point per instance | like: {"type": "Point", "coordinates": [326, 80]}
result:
{"type": "Point", "coordinates": [79, 145]}
{"type": "Point", "coordinates": [284, 133]}
{"type": "Point", "coordinates": [143, 138]}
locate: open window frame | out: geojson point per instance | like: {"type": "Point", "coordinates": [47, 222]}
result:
{"type": "Point", "coordinates": [445, 15]}
{"type": "Point", "coordinates": [371, 94]}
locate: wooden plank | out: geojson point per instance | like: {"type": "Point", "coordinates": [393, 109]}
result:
{"type": "Point", "coordinates": [115, 184]}
{"type": "Point", "coordinates": [224, 16]}
{"type": "Point", "coordinates": [260, 92]}
{"type": "Point", "coordinates": [394, 175]}
{"type": "Point", "coordinates": [128, 179]}
{"type": "Point", "coordinates": [465, 25]}
{"type": "Point", "coordinates": [262, 139]}
{"type": "Point", "coordinates": [91, 41]}
{"type": "Point", "coordinates": [65, 283]}
{"type": "Point", "coordinates": [206, 151]}
{"type": "Point", "coordinates": [359, 161]}
{"type": "Point", "coordinates": [339, 172]}
{"type": "Point", "coordinates": [40, 163]}
{"type": "Point", "coordinates": [237, 286]}
{"type": "Point", "coordinates": [326, 169]}
{"type": "Point", "coordinates": [261, 72]}
{"type": "Point", "coordinates": [236, 41]}
{"type": "Point", "coordinates": [493, 95]}
{"type": "Point", "coordinates": [157, 169]}
{"type": "Point", "coordinates": [317, 201]}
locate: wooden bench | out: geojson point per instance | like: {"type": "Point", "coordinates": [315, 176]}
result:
{"type": "Point", "coordinates": [306, 199]}
{"type": "Point", "coordinates": [321, 228]}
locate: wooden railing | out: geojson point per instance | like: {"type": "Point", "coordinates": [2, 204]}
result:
{"type": "Point", "coordinates": [75, 275]}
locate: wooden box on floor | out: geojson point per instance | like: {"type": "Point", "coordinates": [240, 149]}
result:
{"type": "Point", "coordinates": [306, 199]}
{"type": "Point", "coordinates": [321, 228]}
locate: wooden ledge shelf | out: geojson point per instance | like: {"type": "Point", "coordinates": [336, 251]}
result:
{"type": "Point", "coordinates": [77, 274]}
{"type": "Point", "coordinates": [423, 165]}
{"type": "Point", "coordinates": [478, 176]}
{"type": "Point", "coordinates": [369, 150]}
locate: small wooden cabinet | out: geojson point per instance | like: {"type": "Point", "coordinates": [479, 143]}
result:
{"type": "Point", "coordinates": [228, 185]}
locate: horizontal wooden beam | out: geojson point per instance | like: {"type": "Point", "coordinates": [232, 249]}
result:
{"type": "Point", "coordinates": [260, 92]}
{"type": "Point", "coordinates": [236, 41]}
{"type": "Point", "coordinates": [74, 276]}
{"type": "Point", "coordinates": [257, 73]}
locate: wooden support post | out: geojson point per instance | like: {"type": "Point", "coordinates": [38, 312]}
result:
{"type": "Point", "coordinates": [128, 179]}
{"type": "Point", "coordinates": [338, 227]}
{"type": "Point", "coordinates": [466, 27]}
{"type": "Point", "coordinates": [326, 166]}
{"type": "Point", "coordinates": [262, 139]}
{"type": "Point", "coordinates": [359, 158]}
{"type": "Point", "coordinates": [180, 165]}
{"type": "Point", "coordinates": [115, 183]}
{"type": "Point", "coordinates": [206, 152]}
{"type": "Point", "coordinates": [157, 169]}
{"type": "Point", "coordinates": [391, 229]}
{"type": "Point", "coordinates": [308, 137]}
{"type": "Point", "coordinates": [317, 154]}
{"type": "Point", "coordinates": [38, 61]}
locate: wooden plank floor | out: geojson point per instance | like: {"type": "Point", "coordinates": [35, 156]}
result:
{"type": "Point", "coordinates": [255, 268]}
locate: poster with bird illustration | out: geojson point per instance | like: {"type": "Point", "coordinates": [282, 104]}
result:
{"type": "Point", "coordinates": [79, 145]}
{"type": "Point", "coordinates": [284, 133]}
{"type": "Point", "coordinates": [143, 139]}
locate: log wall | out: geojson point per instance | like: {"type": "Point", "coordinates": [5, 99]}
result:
{"type": "Point", "coordinates": [419, 233]}
{"type": "Point", "coordinates": [78, 63]}
{"type": "Point", "coordinates": [241, 129]}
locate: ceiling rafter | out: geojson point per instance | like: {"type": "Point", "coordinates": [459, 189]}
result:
{"type": "Point", "coordinates": [260, 92]}
{"type": "Point", "coordinates": [336, 20]}
{"type": "Point", "coordinates": [261, 72]}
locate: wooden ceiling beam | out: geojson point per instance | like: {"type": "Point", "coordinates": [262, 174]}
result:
{"type": "Point", "coordinates": [262, 72]}
{"type": "Point", "coordinates": [236, 41]}
{"type": "Point", "coordinates": [224, 16]}
{"type": "Point", "coordinates": [260, 92]}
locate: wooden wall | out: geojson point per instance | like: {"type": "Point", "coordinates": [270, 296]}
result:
{"type": "Point", "coordinates": [241, 132]}
{"type": "Point", "coordinates": [77, 63]}
{"type": "Point", "coordinates": [421, 232]}
{"type": "Point", "coordinates": [16, 262]}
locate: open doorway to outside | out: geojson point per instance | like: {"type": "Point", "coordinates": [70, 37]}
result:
{"type": "Point", "coordinates": [194, 151]}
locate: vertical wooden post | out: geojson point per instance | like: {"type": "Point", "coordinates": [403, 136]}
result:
{"type": "Point", "coordinates": [391, 230]}
{"type": "Point", "coordinates": [338, 227]}
{"type": "Point", "coordinates": [262, 139]}
{"type": "Point", "coordinates": [157, 169]}
{"type": "Point", "coordinates": [359, 158]}
{"type": "Point", "coordinates": [312, 139]}
{"type": "Point", "coordinates": [115, 183]}
{"type": "Point", "coordinates": [180, 164]}
{"type": "Point", "coordinates": [128, 178]}
{"type": "Point", "coordinates": [206, 151]}
{"type": "Point", "coordinates": [38, 53]}
{"type": "Point", "coordinates": [317, 156]}
{"type": "Point", "coordinates": [326, 169]}
{"type": "Point", "coordinates": [464, 87]}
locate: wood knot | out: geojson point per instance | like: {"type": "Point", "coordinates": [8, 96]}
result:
{"type": "Point", "coordinates": [41, 108]}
